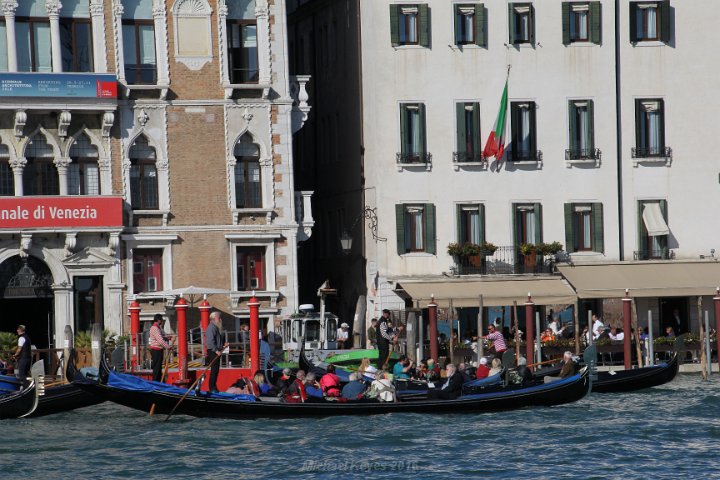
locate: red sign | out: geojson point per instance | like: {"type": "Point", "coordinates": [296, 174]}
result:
{"type": "Point", "coordinates": [52, 211]}
{"type": "Point", "coordinates": [106, 89]}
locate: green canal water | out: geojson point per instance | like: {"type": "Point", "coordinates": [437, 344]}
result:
{"type": "Point", "coordinates": [670, 432]}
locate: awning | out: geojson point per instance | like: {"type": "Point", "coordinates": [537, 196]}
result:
{"type": "Point", "coordinates": [654, 220]}
{"type": "Point", "coordinates": [495, 292]}
{"type": "Point", "coordinates": [647, 279]}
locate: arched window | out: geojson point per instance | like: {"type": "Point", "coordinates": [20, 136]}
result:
{"type": "Point", "coordinates": [7, 181]}
{"type": "Point", "coordinates": [40, 177]}
{"type": "Point", "coordinates": [143, 176]}
{"type": "Point", "coordinates": [83, 172]}
{"type": "Point", "coordinates": [248, 192]}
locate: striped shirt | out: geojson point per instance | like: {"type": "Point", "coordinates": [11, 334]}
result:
{"type": "Point", "coordinates": [157, 339]}
{"type": "Point", "coordinates": [498, 341]}
{"type": "Point", "coordinates": [385, 332]}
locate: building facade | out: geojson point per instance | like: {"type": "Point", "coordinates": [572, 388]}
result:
{"type": "Point", "coordinates": [185, 153]}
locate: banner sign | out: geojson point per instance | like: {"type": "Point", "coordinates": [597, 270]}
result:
{"type": "Point", "coordinates": [58, 85]}
{"type": "Point", "coordinates": [54, 211]}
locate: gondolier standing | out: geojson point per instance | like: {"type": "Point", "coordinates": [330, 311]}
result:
{"type": "Point", "coordinates": [158, 343]}
{"type": "Point", "coordinates": [215, 346]}
{"type": "Point", "coordinates": [385, 336]}
{"type": "Point", "coordinates": [23, 353]}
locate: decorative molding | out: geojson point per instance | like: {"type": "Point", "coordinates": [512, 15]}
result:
{"type": "Point", "coordinates": [192, 9]}
{"type": "Point", "coordinates": [142, 117]}
{"type": "Point", "coordinates": [64, 122]}
{"type": "Point", "coordinates": [70, 243]}
{"type": "Point", "coordinates": [108, 120]}
{"type": "Point", "coordinates": [20, 120]}
{"type": "Point", "coordinates": [62, 162]}
{"type": "Point", "coordinates": [96, 8]}
{"type": "Point", "coordinates": [18, 163]}
{"type": "Point", "coordinates": [53, 8]}
{"type": "Point", "coordinates": [8, 7]}
{"type": "Point", "coordinates": [247, 115]}
{"type": "Point", "coordinates": [25, 244]}
{"type": "Point", "coordinates": [113, 243]}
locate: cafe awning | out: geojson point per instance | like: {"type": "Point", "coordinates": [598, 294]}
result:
{"type": "Point", "coordinates": [647, 279]}
{"type": "Point", "coordinates": [495, 292]}
{"type": "Point", "coordinates": [654, 220]}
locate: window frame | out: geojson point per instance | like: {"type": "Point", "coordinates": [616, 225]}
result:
{"type": "Point", "coordinates": [145, 254]}
{"type": "Point", "coordinates": [411, 222]}
{"type": "Point", "coordinates": [575, 133]}
{"type": "Point", "coordinates": [245, 161]}
{"type": "Point", "coordinates": [136, 23]}
{"type": "Point", "coordinates": [519, 219]}
{"type": "Point", "coordinates": [462, 14]}
{"type": "Point", "coordinates": [579, 227]}
{"type": "Point", "coordinates": [515, 120]}
{"type": "Point", "coordinates": [242, 24]}
{"type": "Point", "coordinates": [464, 211]}
{"type": "Point", "coordinates": [642, 122]}
{"type": "Point", "coordinates": [575, 25]}
{"type": "Point", "coordinates": [516, 11]}
{"type": "Point", "coordinates": [33, 60]}
{"type": "Point", "coordinates": [249, 250]}
{"type": "Point", "coordinates": [645, 241]}
{"type": "Point", "coordinates": [419, 152]}
{"type": "Point", "coordinates": [140, 164]}
{"type": "Point", "coordinates": [72, 21]}
{"type": "Point", "coordinates": [643, 34]}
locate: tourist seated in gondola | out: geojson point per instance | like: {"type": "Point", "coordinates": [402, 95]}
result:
{"type": "Point", "coordinates": [266, 390]}
{"type": "Point", "coordinates": [467, 372]}
{"type": "Point", "coordinates": [330, 383]}
{"type": "Point", "coordinates": [403, 368]}
{"type": "Point", "coordinates": [522, 374]}
{"type": "Point", "coordinates": [355, 388]}
{"type": "Point", "coordinates": [284, 382]}
{"type": "Point", "coordinates": [295, 393]}
{"type": "Point", "coordinates": [433, 370]}
{"type": "Point", "coordinates": [452, 386]}
{"type": "Point", "coordinates": [569, 367]}
{"type": "Point", "coordinates": [382, 388]}
{"type": "Point", "coordinates": [495, 367]}
{"type": "Point", "coordinates": [482, 370]}
{"type": "Point", "coordinates": [312, 387]}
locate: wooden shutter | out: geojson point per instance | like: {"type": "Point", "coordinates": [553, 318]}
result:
{"type": "Point", "coordinates": [638, 120]}
{"type": "Point", "coordinates": [661, 110]}
{"type": "Point", "coordinates": [595, 22]}
{"type": "Point", "coordinates": [664, 238]}
{"type": "Point", "coordinates": [476, 140]}
{"type": "Point", "coordinates": [572, 124]}
{"type": "Point", "coordinates": [511, 23]}
{"type": "Point", "coordinates": [532, 24]}
{"type": "Point", "coordinates": [664, 13]}
{"type": "Point", "coordinates": [598, 240]}
{"type": "Point", "coordinates": [461, 131]}
{"type": "Point", "coordinates": [533, 131]}
{"type": "Point", "coordinates": [423, 129]}
{"type": "Point", "coordinates": [633, 22]}
{"type": "Point", "coordinates": [394, 25]}
{"type": "Point", "coordinates": [424, 13]}
{"type": "Point", "coordinates": [591, 126]}
{"type": "Point", "coordinates": [537, 208]}
{"type": "Point", "coordinates": [514, 126]}
{"type": "Point", "coordinates": [403, 129]}
{"type": "Point", "coordinates": [566, 23]}
{"type": "Point", "coordinates": [481, 222]}
{"type": "Point", "coordinates": [642, 231]}
{"type": "Point", "coordinates": [458, 23]}
{"type": "Point", "coordinates": [516, 241]}
{"type": "Point", "coordinates": [569, 228]}
{"type": "Point", "coordinates": [400, 228]}
{"type": "Point", "coordinates": [429, 216]}
{"type": "Point", "coordinates": [480, 37]}
{"type": "Point", "coordinates": [459, 219]}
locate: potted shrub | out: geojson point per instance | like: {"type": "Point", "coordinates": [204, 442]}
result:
{"type": "Point", "coordinates": [529, 253]}
{"type": "Point", "coordinates": [487, 249]}
{"type": "Point", "coordinates": [550, 248]}
{"type": "Point", "coordinates": [455, 249]}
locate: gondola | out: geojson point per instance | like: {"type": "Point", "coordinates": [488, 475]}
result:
{"type": "Point", "coordinates": [19, 404]}
{"type": "Point", "coordinates": [140, 394]}
{"type": "Point", "coordinates": [320, 369]}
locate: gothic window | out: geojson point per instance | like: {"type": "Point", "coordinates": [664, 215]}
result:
{"type": "Point", "coordinates": [143, 176]}
{"type": "Point", "coordinates": [248, 191]}
{"type": "Point", "coordinates": [40, 176]}
{"type": "Point", "coordinates": [83, 171]}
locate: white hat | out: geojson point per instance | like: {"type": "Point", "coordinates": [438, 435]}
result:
{"type": "Point", "coordinates": [344, 325]}
{"type": "Point", "coordinates": [483, 361]}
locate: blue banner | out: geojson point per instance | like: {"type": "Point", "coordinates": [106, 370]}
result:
{"type": "Point", "coordinates": [58, 85]}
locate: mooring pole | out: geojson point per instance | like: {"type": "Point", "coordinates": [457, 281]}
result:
{"type": "Point", "coordinates": [627, 314]}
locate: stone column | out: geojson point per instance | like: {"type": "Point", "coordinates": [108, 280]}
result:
{"type": "Point", "coordinates": [120, 57]}
{"type": "Point", "coordinates": [98, 33]}
{"type": "Point", "coordinates": [53, 10]}
{"type": "Point", "coordinates": [62, 164]}
{"type": "Point", "coordinates": [8, 9]}
{"type": "Point", "coordinates": [18, 165]}
{"type": "Point", "coordinates": [262, 13]}
{"type": "Point", "coordinates": [161, 51]}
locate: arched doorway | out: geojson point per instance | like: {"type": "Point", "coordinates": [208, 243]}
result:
{"type": "Point", "coordinates": [26, 297]}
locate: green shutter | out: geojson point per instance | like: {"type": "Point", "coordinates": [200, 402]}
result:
{"type": "Point", "coordinates": [598, 231]}
{"type": "Point", "coordinates": [476, 140]}
{"type": "Point", "coordinates": [596, 22]}
{"type": "Point", "coordinates": [569, 229]}
{"type": "Point", "coordinates": [633, 22]}
{"type": "Point", "coordinates": [424, 39]}
{"type": "Point", "coordinates": [481, 222]}
{"type": "Point", "coordinates": [642, 231]}
{"type": "Point", "coordinates": [511, 23]}
{"type": "Point", "coordinates": [537, 208]}
{"type": "Point", "coordinates": [514, 124]}
{"type": "Point", "coordinates": [572, 124]}
{"type": "Point", "coordinates": [400, 228]}
{"type": "Point", "coordinates": [394, 25]}
{"type": "Point", "coordinates": [664, 13]}
{"type": "Point", "coordinates": [480, 37]}
{"type": "Point", "coordinates": [638, 120]}
{"type": "Point", "coordinates": [403, 130]}
{"type": "Point", "coordinates": [516, 240]}
{"type": "Point", "coordinates": [429, 215]}
{"type": "Point", "coordinates": [591, 125]}
{"type": "Point", "coordinates": [664, 238]}
{"type": "Point", "coordinates": [459, 220]}
{"type": "Point", "coordinates": [458, 23]}
{"type": "Point", "coordinates": [661, 109]}
{"type": "Point", "coordinates": [423, 128]}
{"type": "Point", "coordinates": [566, 23]}
{"type": "Point", "coordinates": [461, 137]}
{"type": "Point", "coordinates": [532, 24]}
{"type": "Point", "coordinates": [533, 131]}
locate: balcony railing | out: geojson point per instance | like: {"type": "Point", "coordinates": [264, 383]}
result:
{"type": "Point", "coordinates": [413, 159]}
{"type": "Point", "coordinates": [506, 260]}
{"type": "Point", "coordinates": [582, 154]}
{"type": "Point", "coordinates": [468, 157]}
{"type": "Point", "coordinates": [526, 156]}
{"type": "Point", "coordinates": [651, 152]}
{"type": "Point", "coordinates": [662, 254]}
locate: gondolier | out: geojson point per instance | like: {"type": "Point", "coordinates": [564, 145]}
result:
{"type": "Point", "coordinates": [215, 346]}
{"type": "Point", "coordinates": [384, 338]}
{"type": "Point", "coordinates": [22, 354]}
{"type": "Point", "coordinates": [498, 346]}
{"type": "Point", "coordinates": [158, 343]}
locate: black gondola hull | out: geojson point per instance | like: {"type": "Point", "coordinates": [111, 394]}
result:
{"type": "Point", "coordinates": [63, 398]}
{"type": "Point", "coordinates": [636, 379]}
{"type": "Point", "coordinates": [18, 404]}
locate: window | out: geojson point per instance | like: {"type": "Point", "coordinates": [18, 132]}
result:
{"type": "Point", "coordinates": [524, 140]}
{"type": "Point", "coordinates": [409, 25]}
{"type": "Point", "coordinates": [412, 133]}
{"type": "Point", "coordinates": [147, 270]}
{"type": "Point", "coordinates": [582, 22]}
{"type": "Point", "coordinates": [76, 44]}
{"type": "Point", "coordinates": [521, 18]}
{"type": "Point", "coordinates": [33, 45]}
{"type": "Point", "coordinates": [7, 180]}
{"type": "Point", "coordinates": [471, 224]}
{"type": "Point", "coordinates": [83, 173]}
{"type": "Point", "coordinates": [653, 230]}
{"type": "Point", "coordinates": [469, 146]}
{"type": "Point", "coordinates": [584, 227]}
{"type": "Point", "coordinates": [143, 176]}
{"type": "Point", "coordinates": [40, 177]}
{"type": "Point", "coordinates": [649, 128]}
{"type": "Point", "coordinates": [242, 42]}
{"type": "Point", "coordinates": [3, 47]}
{"type": "Point", "coordinates": [527, 223]}
{"type": "Point", "coordinates": [650, 21]}
{"type": "Point", "coordinates": [248, 190]}
{"type": "Point", "coordinates": [470, 24]}
{"type": "Point", "coordinates": [250, 268]}
{"type": "Point", "coordinates": [580, 116]}
{"type": "Point", "coordinates": [139, 51]}
{"type": "Point", "coordinates": [415, 228]}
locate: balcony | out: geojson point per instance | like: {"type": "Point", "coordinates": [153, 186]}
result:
{"type": "Point", "coordinates": [526, 157]}
{"type": "Point", "coordinates": [469, 159]}
{"type": "Point", "coordinates": [662, 254]}
{"type": "Point", "coordinates": [582, 156]}
{"type": "Point", "coordinates": [661, 155]}
{"type": "Point", "coordinates": [506, 260]}
{"type": "Point", "coordinates": [405, 160]}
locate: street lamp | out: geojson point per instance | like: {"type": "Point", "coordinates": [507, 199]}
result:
{"type": "Point", "coordinates": [371, 215]}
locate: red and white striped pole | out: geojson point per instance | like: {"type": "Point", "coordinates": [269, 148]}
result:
{"type": "Point", "coordinates": [254, 306]}
{"type": "Point", "coordinates": [181, 307]}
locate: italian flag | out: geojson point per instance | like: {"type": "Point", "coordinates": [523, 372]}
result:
{"type": "Point", "coordinates": [495, 145]}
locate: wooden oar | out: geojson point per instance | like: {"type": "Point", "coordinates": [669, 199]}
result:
{"type": "Point", "coordinates": [191, 387]}
{"type": "Point", "coordinates": [162, 379]}
{"type": "Point", "coordinates": [545, 362]}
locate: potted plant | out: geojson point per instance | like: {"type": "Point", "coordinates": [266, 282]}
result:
{"type": "Point", "coordinates": [455, 249]}
{"type": "Point", "coordinates": [487, 249]}
{"type": "Point", "coordinates": [550, 248]}
{"type": "Point", "coordinates": [529, 253]}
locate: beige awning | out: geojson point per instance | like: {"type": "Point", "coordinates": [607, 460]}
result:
{"type": "Point", "coordinates": [647, 279]}
{"type": "Point", "coordinates": [654, 220]}
{"type": "Point", "coordinates": [495, 292]}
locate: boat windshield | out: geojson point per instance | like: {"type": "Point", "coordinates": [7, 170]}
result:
{"type": "Point", "coordinates": [331, 328]}
{"type": "Point", "coordinates": [312, 330]}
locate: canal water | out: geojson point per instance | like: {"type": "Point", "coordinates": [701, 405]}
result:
{"type": "Point", "coordinates": [670, 432]}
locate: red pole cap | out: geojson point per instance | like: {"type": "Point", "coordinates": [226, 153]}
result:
{"type": "Point", "coordinates": [181, 303]}
{"type": "Point", "coordinates": [134, 305]}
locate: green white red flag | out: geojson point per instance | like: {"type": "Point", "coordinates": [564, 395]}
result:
{"type": "Point", "coordinates": [495, 145]}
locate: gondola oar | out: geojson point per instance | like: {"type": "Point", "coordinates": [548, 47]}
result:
{"type": "Point", "coordinates": [162, 379]}
{"type": "Point", "coordinates": [191, 387]}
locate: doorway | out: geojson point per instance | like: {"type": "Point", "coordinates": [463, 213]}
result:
{"type": "Point", "coordinates": [88, 302]}
{"type": "Point", "coordinates": [674, 313]}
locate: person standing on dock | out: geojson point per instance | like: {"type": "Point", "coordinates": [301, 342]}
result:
{"type": "Point", "coordinates": [215, 346]}
{"type": "Point", "coordinates": [158, 343]}
{"type": "Point", "coordinates": [372, 334]}
{"type": "Point", "coordinates": [23, 354]}
{"type": "Point", "coordinates": [384, 337]}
